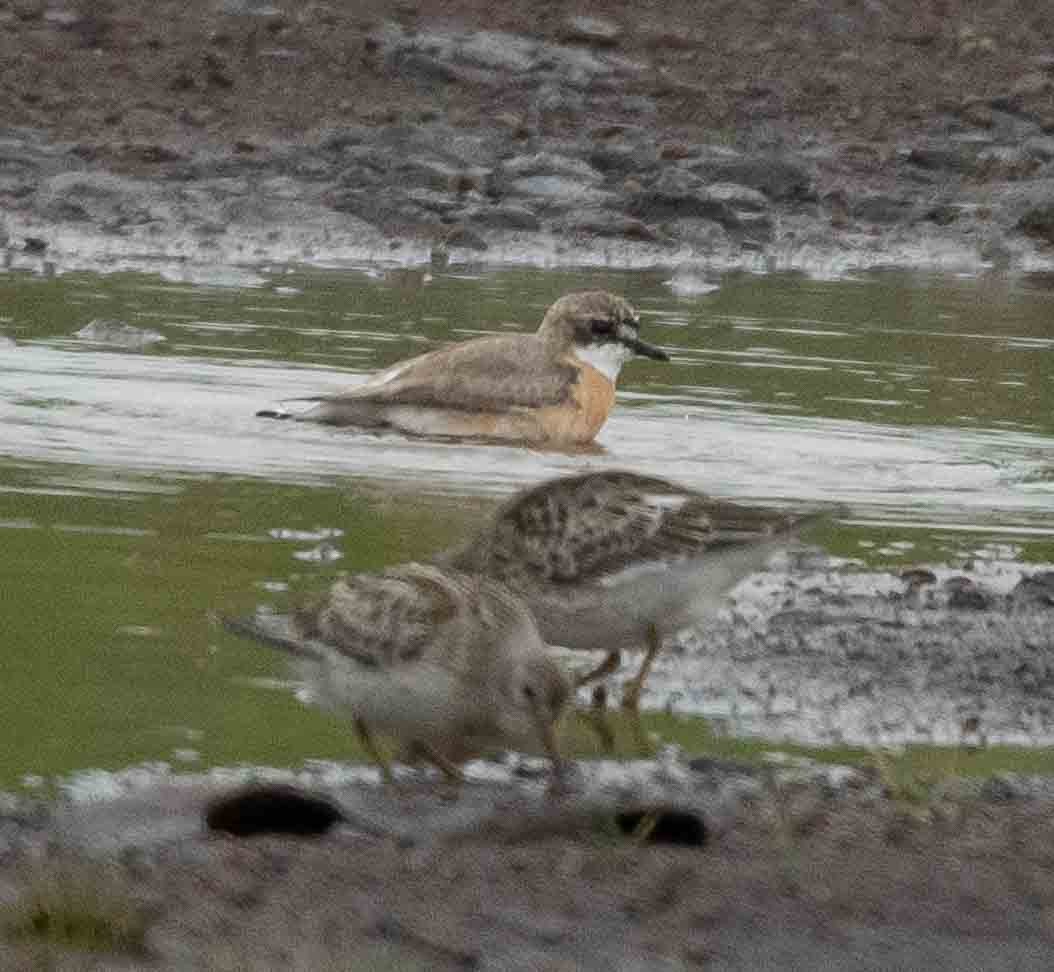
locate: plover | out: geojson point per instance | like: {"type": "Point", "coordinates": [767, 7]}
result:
{"type": "Point", "coordinates": [613, 560]}
{"type": "Point", "coordinates": [556, 386]}
{"type": "Point", "coordinates": [451, 665]}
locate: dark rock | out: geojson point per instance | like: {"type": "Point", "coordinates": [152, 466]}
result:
{"type": "Point", "coordinates": [465, 238]}
{"type": "Point", "coordinates": [182, 81]}
{"type": "Point", "coordinates": [952, 157]}
{"type": "Point", "coordinates": [607, 224]}
{"type": "Point", "coordinates": [664, 825]}
{"type": "Point", "coordinates": [1036, 590]}
{"type": "Point", "coordinates": [977, 112]}
{"type": "Point", "coordinates": [610, 130]}
{"type": "Point", "coordinates": [339, 139]}
{"type": "Point", "coordinates": [721, 768]}
{"type": "Point", "coordinates": [779, 179]}
{"type": "Point", "coordinates": [1040, 147]}
{"type": "Point", "coordinates": [218, 73]}
{"type": "Point", "coordinates": [623, 159]}
{"type": "Point", "coordinates": [1001, 788]}
{"type": "Point", "coordinates": [152, 153]}
{"type": "Point", "coordinates": [917, 576]}
{"type": "Point", "coordinates": [673, 151]}
{"type": "Point", "coordinates": [1038, 222]}
{"type": "Point", "coordinates": [425, 68]}
{"type": "Point", "coordinates": [880, 208]}
{"type": "Point", "coordinates": [63, 210]}
{"type": "Point", "coordinates": [99, 197]}
{"type": "Point", "coordinates": [944, 214]}
{"type": "Point", "coordinates": [659, 204]}
{"type": "Point", "coordinates": [965, 595]}
{"type": "Point", "coordinates": [703, 235]}
{"type": "Point", "coordinates": [384, 207]}
{"type": "Point", "coordinates": [272, 808]}
{"type": "Point", "coordinates": [502, 216]}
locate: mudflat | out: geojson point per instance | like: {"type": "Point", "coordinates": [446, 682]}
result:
{"type": "Point", "coordinates": [821, 136]}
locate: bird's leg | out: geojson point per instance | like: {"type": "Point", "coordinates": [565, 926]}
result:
{"type": "Point", "coordinates": [368, 743]}
{"type": "Point", "coordinates": [598, 718]}
{"type": "Point", "coordinates": [607, 667]}
{"type": "Point", "coordinates": [631, 693]}
{"type": "Point", "coordinates": [450, 770]}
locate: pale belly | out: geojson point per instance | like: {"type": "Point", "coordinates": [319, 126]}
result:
{"type": "Point", "coordinates": [559, 425]}
{"type": "Point", "coordinates": [423, 702]}
{"type": "Point", "coordinates": [575, 423]}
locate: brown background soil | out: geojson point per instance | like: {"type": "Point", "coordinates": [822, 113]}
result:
{"type": "Point", "coordinates": [805, 879]}
{"type": "Point", "coordinates": [187, 70]}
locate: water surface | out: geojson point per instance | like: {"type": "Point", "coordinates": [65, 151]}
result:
{"type": "Point", "coordinates": [139, 493]}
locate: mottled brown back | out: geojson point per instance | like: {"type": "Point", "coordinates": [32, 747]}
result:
{"type": "Point", "coordinates": [579, 529]}
{"type": "Point", "coordinates": [399, 616]}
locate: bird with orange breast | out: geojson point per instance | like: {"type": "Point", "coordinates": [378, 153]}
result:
{"type": "Point", "coordinates": [556, 386]}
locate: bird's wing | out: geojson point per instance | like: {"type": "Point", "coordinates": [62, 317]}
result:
{"type": "Point", "coordinates": [582, 529]}
{"type": "Point", "coordinates": [409, 614]}
{"type": "Point", "coordinates": [491, 374]}
{"type": "Point", "coordinates": [378, 620]}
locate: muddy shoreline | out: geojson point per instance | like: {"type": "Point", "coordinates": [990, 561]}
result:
{"type": "Point", "coordinates": [826, 138]}
{"type": "Point", "coordinates": [829, 138]}
{"type": "Point", "coordinates": [803, 868]}
{"type": "Point", "coordinates": [786, 864]}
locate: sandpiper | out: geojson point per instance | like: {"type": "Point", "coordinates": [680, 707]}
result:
{"type": "Point", "coordinates": [612, 560]}
{"type": "Point", "coordinates": [451, 665]}
{"type": "Point", "coordinates": [556, 386]}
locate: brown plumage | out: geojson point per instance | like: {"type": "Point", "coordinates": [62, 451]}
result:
{"type": "Point", "coordinates": [556, 385]}
{"type": "Point", "coordinates": [450, 664]}
{"type": "Point", "coordinates": [613, 560]}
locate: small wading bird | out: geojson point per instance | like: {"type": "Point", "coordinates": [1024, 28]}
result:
{"type": "Point", "coordinates": [556, 386]}
{"type": "Point", "coordinates": [451, 665]}
{"type": "Point", "coordinates": [612, 560]}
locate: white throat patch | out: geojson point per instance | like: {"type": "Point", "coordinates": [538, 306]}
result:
{"type": "Point", "coordinates": [607, 358]}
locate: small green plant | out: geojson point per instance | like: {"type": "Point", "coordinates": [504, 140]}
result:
{"type": "Point", "coordinates": [78, 904]}
{"type": "Point", "coordinates": [903, 781]}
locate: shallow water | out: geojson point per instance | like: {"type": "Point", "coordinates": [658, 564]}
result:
{"type": "Point", "coordinates": [138, 492]}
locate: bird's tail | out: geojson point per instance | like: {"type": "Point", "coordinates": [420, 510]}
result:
{"type": "Point", "coordinates": [275, 630]}
{"type": "Point", "coordinates": [283, 409]}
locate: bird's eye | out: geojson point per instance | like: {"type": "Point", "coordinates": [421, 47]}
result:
{"type": "Point", "coordinates": [601, 325]}
{"type": "Point", "coordinates": [528, 693]}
